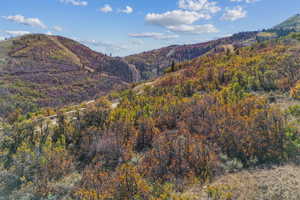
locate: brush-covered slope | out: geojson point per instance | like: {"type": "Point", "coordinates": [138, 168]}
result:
{"type": "Point", "coordinates": [40, 70]}
{"type": "Point", "coordinates": [293, 23]}
{"type": "Point", "coordinates": [152, 63]}
{"type": "Point", "coordinates": [216, 114]}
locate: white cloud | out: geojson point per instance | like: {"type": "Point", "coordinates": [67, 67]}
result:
{"type": "Point", "coordinates": [246, 1]}
{"type": "Point", "coordinates": [75, 2]}
{"type": "Point", "coordinates": [174, 18]}
{"type": "Point", "coordinates": [127, 10]}
{"type": "Point", "coordinates": [106, 8]}
{"type": "Point", "coordinates": [16, 33]}
{"type": "Point", "coordinates": [57, 28]}
{"type": "Point", "coordinates": [20, 19]}
{"type": "Point", "coordinates": [105, 46]}
{"type": "Point", "coordinates": [2, 38]}
{"type": "Point", "coordinates": [234, 14]}
{"type": "Point", "coordinates": [183, 19]}
{"type": "Point", "coordinates": [153, 35]}
{"type": "Point", "coordinates": [199, 5]}
{"type": "Point", "coordinates": [194, 29]}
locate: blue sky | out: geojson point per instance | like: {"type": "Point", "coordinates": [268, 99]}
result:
{"type": "Point", "coordinates": [124, 27]}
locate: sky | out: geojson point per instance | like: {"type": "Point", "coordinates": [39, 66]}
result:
{"type": "Point", "coordinates": [124, 27]}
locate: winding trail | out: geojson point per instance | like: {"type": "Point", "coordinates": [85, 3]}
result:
{"type": "Point", "coordinates": [52, 120]}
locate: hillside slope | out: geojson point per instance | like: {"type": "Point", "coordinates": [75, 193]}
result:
{"type": "Point", "coordinates": [49, 71]}
{"type": "Point", "coordinates": [292, 24]}
{"type": "Point", "coordinates": [153, 63]}
{"type": "Point", "coordinates": [208, 119]}
{"type": "Point", "coordinates": [196, 132]}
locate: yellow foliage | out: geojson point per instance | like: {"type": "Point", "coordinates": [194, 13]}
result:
{"type": "Point", "coordinates": [219, 192]}
{"type": "Point", "coordinates": [295, 91]}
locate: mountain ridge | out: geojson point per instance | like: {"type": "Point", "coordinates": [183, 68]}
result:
{"type": "Point", "coordinates": [37, 67]}
{"type": "Point", "coordinates": [292, 23]}
{"type": "Point", "coordinates": [153, 63]}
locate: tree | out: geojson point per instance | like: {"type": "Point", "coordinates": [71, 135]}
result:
{"type": "Point", "coordinates": [173, 66]}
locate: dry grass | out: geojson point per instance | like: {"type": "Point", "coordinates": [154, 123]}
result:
{"type": "Point", "coordinates": [276, 183]}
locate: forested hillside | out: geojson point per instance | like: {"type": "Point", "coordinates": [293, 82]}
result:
{"type": "Point", "coordinates": [175, 137]}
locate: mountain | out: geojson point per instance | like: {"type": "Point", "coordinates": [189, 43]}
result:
{"type": "Point", "coordinates": [49, 71]}
{"type": "Point", "coordinates": [196, 132]}
{"type": "Point", "coordinates": [291, 24]}
{"type": "Point", "coordinates": [153, 63]}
